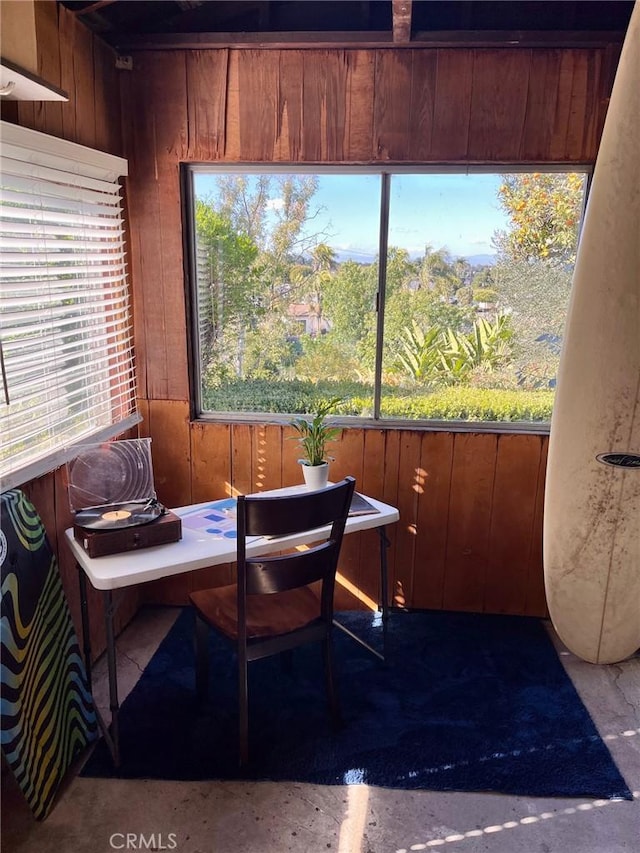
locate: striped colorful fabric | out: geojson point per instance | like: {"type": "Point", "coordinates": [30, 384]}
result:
{"type": "Point", "coordinates": [48, 715]}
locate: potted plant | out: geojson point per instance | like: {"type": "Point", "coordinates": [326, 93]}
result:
{"type": "Point", "coordinates": [313, 437]}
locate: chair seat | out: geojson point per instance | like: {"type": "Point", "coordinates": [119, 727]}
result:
{"type": "Point", "coordinates": [267, 615]}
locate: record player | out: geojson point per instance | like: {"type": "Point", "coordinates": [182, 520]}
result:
{"type": "Point", "coordinates": [112, 496]}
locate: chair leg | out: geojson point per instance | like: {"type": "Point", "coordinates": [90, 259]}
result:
{"type": "Point", "coordinates": [202, 658]}
{"type": "Point", "coordinates": [243, 707]}
{"type": "Point", "coordinates": [334, 705]}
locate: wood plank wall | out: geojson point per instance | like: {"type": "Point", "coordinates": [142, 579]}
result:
{"type": "Point", "coordinates": [470, 533]}
{"type": "Point", "coordinates": [72, 59]}
{"type": "Point", "coordinates": [470, 530]}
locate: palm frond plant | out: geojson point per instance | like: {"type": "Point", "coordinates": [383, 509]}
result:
{"type": "Point", "coordinates": [314, 435]}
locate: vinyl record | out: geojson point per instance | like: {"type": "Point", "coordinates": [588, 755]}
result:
{"type": "Point", "coordinates": [116, 516]}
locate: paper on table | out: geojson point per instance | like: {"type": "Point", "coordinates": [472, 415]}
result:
{"type": "Point", "coordinates": [217, 519]}
{"type": "Point", "coordinates": [361, 506]}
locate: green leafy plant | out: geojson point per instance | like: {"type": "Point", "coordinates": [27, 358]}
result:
{"type": "Point", "coordinates": [314, 435]}
{"type": "Point", "coordinates": [422, 352]}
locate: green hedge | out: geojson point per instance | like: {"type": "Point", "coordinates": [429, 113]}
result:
{"type": "Point", "coordinates": [457, 403]}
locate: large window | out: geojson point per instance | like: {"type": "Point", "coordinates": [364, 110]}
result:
{"type": "Point", "coordinates": [405, 295]}
{"type": "Point", "coordinates": [67, 365]}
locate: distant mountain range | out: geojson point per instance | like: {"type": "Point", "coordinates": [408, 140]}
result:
{"type": "Point", "coordinates": [368, 258]}
{"type": "Point", "coordinates": [481, 260]}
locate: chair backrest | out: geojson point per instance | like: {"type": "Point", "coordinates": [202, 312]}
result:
{"type": "Point", "coordinates": [284, 515]}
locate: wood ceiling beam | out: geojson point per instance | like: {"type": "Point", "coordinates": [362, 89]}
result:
{"type": "Point", "coordinates": [401, 21]}
{"type": "Point", "coordinates": [371, 39]}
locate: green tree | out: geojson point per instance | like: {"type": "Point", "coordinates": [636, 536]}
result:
{"type": "Point", "coordinates": [536, 295]}
{"type": "Point", "coordinates": [544, 212]}
{"type": "Point", "coordinates": [310, 279]}
{"type": "Point", "coordinates": [227, 278]}
{"type": "Point", "coordinates": [350, 303]}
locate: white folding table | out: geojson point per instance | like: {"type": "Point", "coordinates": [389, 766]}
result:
{"type": "Point", "coordinates": [197, 550]}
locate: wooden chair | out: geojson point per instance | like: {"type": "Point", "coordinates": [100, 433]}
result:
{"type": "Point", "coordinates": [272, 608]}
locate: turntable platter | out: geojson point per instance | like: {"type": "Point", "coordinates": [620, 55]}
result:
{"type": "Point", "coordinates": [117, 516]}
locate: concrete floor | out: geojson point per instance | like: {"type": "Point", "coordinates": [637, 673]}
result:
{"type": "Point", "coordinates": [95, 815]}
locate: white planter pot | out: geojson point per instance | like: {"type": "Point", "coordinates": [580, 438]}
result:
{"type": "Point", "coordinates": [316, 476]}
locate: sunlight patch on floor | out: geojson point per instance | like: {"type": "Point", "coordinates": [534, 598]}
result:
{"type": "Point", "coordinates": [352, 829]}
{"type": "Point", "coordinates": [511, 824]}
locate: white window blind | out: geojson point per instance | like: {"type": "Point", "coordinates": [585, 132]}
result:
{"type": "Point", "coordinates": [65, 319]}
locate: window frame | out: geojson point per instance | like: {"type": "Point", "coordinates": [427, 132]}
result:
{"type": "Point", "coordinates": [386, 172]}
{"type": "Point", "coordinates": [71, 173]}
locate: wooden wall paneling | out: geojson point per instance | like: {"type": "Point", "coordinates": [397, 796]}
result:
{"type": "Point", "coordinates": [422, 103]}
{"type": "Point", "coordinates": [498, 103]}
{"type": "Point", "coordinates": [77, 79]}
{"type": "Point", "coordinates": [592, 128]}
{"type": "Point", "coordinates": [242, 458]}
{"type": "Point", "coordinates": [336, 105]}
{"type": "Point", "coordinates": [232, 118]}
{"type": "Point", "coordinates": [410, 482]}
{"type": "Point", "coordinates": [512, 514]}
{"type": "Point", "coordinates": [359, 101]}
{"type": "Point", "coordinates": [569, 127]}
{"type": "Point", "coordinates": [371, 483]}
{"type": "Point", "coordinates": [108, 110]}
{"type": "Point", "coordinates": [558, 144]}
{"type": "Point", "coordinates": [9, 111]}
{"type": "Point", "coordinates": [168, 427]}
{"type": "Point", "coordinates": [542, 96]}
{"type": "Point", "coordinates": [393, 77]}
{"type": "Point", "coordinates": [579, 117]}
{"type": "Point", "coordinates": [258, 98]}
{"type": "Point", "coordinates": [211, 480]}
{"type": "Point", "coordinates": [289, 131]}
{"type": "Point", "coordinates": [157, 142]}
{"type": "Point", "coordinates": [452, 108]}
{"type": "Point", "coordinates": [25, 113]}
{"type": "Point", "coordinates": [291, 473]}
{"type": "Point", "coordinates": [206, 94]}
{"type": "Point", "coordinates": [536, 600]}
{"type": "Point", "coordinates": [391, 489]}
{"type": "Point", "coordinates": [436, 461]}
{"type": "Point", "coordinates": [169, 90]}
{"type": "Point", "coordinates": [324, 106]}
{"type": "Point", "coordinates": [46, 17]}
{"type": "Point", "coordinates": [348, 453]}
{"type": "Point", "coordinates": [473, 470]}
{"type": "Point", "coordinates": [143, 411]}
{"type": "Point", "coordinates": [610, 59]}
{"type": "Point", "coordinates": [314, 108]}
{"type": "Point", "coordinates": [145, 238]}
{"type": "Point", "coordinates": [210, 461]}
{"type": "Point", "coordinates": [267, 457]}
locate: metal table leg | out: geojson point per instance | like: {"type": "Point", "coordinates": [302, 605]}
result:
{"type": "Point", "coordinates": [384, 585]}
{"type": "Point", "coordinates": [114, 706]}
{"type": "Point", "coordinates": [384, 605]}
{"type": "Point", "coordinates": [84, 615]}
{"type": "Point", "coordinates": [110, 734]}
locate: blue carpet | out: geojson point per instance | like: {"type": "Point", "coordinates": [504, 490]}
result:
{"type": "Point", "coordinates": [467, 702]}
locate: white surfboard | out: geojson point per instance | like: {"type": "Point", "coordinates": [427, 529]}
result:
{"type": "Point", "coordinates": [592, 508]}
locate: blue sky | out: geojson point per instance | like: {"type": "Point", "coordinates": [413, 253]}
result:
{"type": "Point", "coordinates": [456, 212]}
